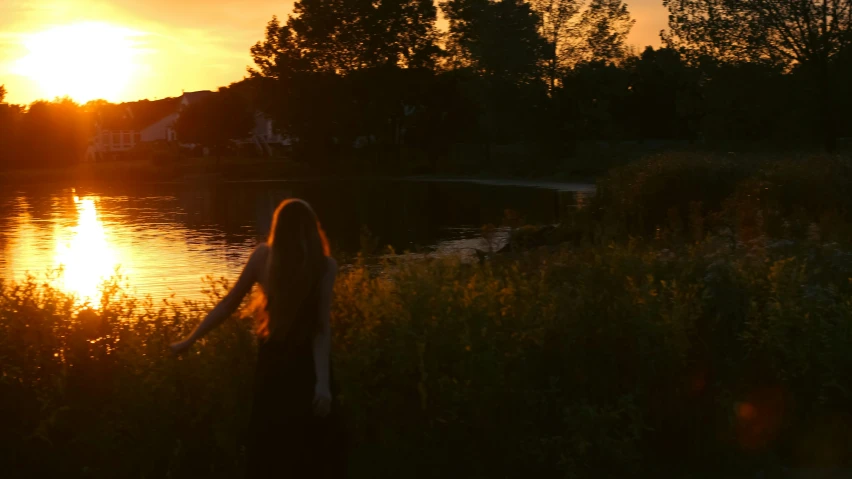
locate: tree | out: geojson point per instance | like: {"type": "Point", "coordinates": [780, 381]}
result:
{"type": "Point", "coordinates": [340, 36]}
{"type": "Point", "coordinates": [497, 39]}
{"type": "Point", "coordinates": [399, 33]}
{"type": "Point", "coordinates": [558, 27]}
{"type": "Point", "coordinates": [304, 101]}
{"type": "Point", "coordinates": [596, 94]}
{"type": "Point", "coordinates": [665, 96]}
{"type": "Point", "coordinates": [10, 119]}
{"type": "Point", "coordinates": [46, 133]}
{"type": "Point", "coordinates": [604, 27]}
{"type": "Point", "coordinates": [578, 32]}
{"type": "Point", "coordinates": [751, 102]}
{"type": "Point", "coordinates": [786, 31]}
{"type": "Point", "coordinates": [54, 133]}
{"type": "Point", "coordinates": [277, 55]}
{"type": "Point", "coordinates": [214, 121]}
{"type": "Point", "coordinates": [498, 44]}
{"type": "Point", "coordinates": [804, 35]}
{"type": "Point", "coordinates": [315, 68]}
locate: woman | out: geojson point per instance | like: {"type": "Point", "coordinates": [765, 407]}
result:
{"type": "Point", "coordinates": [294, 431]}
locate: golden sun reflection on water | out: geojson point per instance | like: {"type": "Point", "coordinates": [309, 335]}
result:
{"type": "Point", "coordinates": [159, 250]}
{"type": "Point", "coordinates": [86, 256]}
{"type": "Point", "coordinates": [166, 238]}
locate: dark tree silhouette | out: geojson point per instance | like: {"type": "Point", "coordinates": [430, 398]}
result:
{"type": "Point", "coordinates": [352, 86]}
{"type": "Point", "coordinates": [277, 56]}
{"type": "Point", "coordinates": [10, 119]}
{"type": "Point", "coordinates": [578, 32]}
{"type": "Point", "coordinates": [665, 97]}
{"type": "Point", "coordinates": [597, 95]}
{"type": "Point", "coordinates": [604, 28]}
{"type": "Point", "coordinates": [45, 134]}
{"type": "Point", "coordinates": [499, 45]}
{"type": "Point", "coordinates": [215, 120]}
{"type": "Point", "coordinates": [53, 133]}
{"type": "Point", "coordinates": [329, 74]}
{"type": "Point", "coordinates": [755, 103]}
{"type": "Point", "coordinates": [340, 36]}
{"type": "Point", "coordinates": [306, 102]}
{"type": "Point", "coordinates": [558, 26]}
{"type": "Point", "coordinates": [807, 35]}
{"type": "Point", "coordinates": [497, 39]}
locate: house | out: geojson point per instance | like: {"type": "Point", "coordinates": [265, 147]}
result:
{"type": "Point", "coordinates": [163, 129]}
{"type": "Point", "coordinates": [264, 137]}
{"type": "Point", "coordinates": [121, 128]}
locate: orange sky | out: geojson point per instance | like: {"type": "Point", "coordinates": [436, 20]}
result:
{"type": "Point", "coordinates": [155, 48]}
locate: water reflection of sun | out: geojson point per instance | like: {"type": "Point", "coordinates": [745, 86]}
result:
{"type": "Point", "coordinates": [86, 257]}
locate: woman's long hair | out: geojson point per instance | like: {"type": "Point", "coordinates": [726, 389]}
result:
{"type": "Point", "coordinates": [298, 251]}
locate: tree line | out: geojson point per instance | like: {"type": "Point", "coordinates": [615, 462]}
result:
{"type": "Point", "coordinates": [549, 78]}
{"type": "Point", "coordinates": [45, 133]}
{"type": "Point", "coordinates": [376, 85]}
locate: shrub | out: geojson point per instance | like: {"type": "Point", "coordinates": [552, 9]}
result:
{"type": "Point", "coordinates": [699, 320]}
{"type": "Point", "coordinates": [603, 360]}
{"type": "Point", "coordinates": [657, 192]}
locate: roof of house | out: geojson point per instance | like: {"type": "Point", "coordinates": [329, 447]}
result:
{"type": "Point", "coordinates": [194, 96]}
{"type": "Point", "coordinates": [135, 115]}
{"type": "Point", "coordinates": [138, 115]}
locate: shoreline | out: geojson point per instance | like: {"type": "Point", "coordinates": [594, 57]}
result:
{"type": "Point", "coordinates": [562, 186]}
{"type": "Point", "coordinates": [147, 176]}
{"type": "Point", "coordinates": [556, 185]}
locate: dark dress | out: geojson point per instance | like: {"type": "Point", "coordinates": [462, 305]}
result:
{"type": "Point", "coordinates": [286, 439]}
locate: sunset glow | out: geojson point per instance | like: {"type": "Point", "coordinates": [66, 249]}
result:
{"type": "Point", "coordinates": [126, 51]}
{"type": "Point", "coordinates": [85, 61]}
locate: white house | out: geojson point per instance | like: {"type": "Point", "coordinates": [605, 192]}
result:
{"type": "Point", "coordinates": [263, 135]}
{"type": "Point", "coordinates": [162, 129]}
{"type": "Point", "coordinates": [120, 128]}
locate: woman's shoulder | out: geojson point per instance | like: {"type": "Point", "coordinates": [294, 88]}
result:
{"type": "Point", "coordinates": [260, 254]}
{"type": "Point", "coordinates": [332, 264]}
{"type": "Point", "coordinates": [261, 248]}
{"type": "Point", "coordinates": [331, 268]}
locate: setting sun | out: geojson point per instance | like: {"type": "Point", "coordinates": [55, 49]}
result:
{"type": "Point", "coordinates": [85, 61]}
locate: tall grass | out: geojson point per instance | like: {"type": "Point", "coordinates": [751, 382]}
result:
{"type": "Point", "coordinates": [680, 352]}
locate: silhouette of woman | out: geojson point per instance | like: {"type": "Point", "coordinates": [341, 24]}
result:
{"type": "Point", "coordinates": [294, 429]}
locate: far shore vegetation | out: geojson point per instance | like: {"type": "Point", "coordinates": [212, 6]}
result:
{"type": "Point", "coordinates": [512, 88]}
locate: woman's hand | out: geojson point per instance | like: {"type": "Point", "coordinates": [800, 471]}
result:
{"type": "Point", "coordinates": [322, 400]}
{"type": "Point", "coordinates": [180, 346]}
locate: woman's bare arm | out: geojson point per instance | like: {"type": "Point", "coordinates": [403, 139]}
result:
{"type": "Point", "coordinates": [322, 343]}
{"type": "Point", "coordinates": [229, 304]}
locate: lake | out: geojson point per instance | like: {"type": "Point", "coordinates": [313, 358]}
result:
{"type": "Point", "coordinates": [166, 237]}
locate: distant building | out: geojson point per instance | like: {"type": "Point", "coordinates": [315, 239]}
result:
{"type": "Point", "coordinates": [121, 128]}
{"type": "Point", "coordinates": [264, 137]}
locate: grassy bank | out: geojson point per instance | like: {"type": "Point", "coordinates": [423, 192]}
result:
{"type": "Point", "coordinates": [694, 320]}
